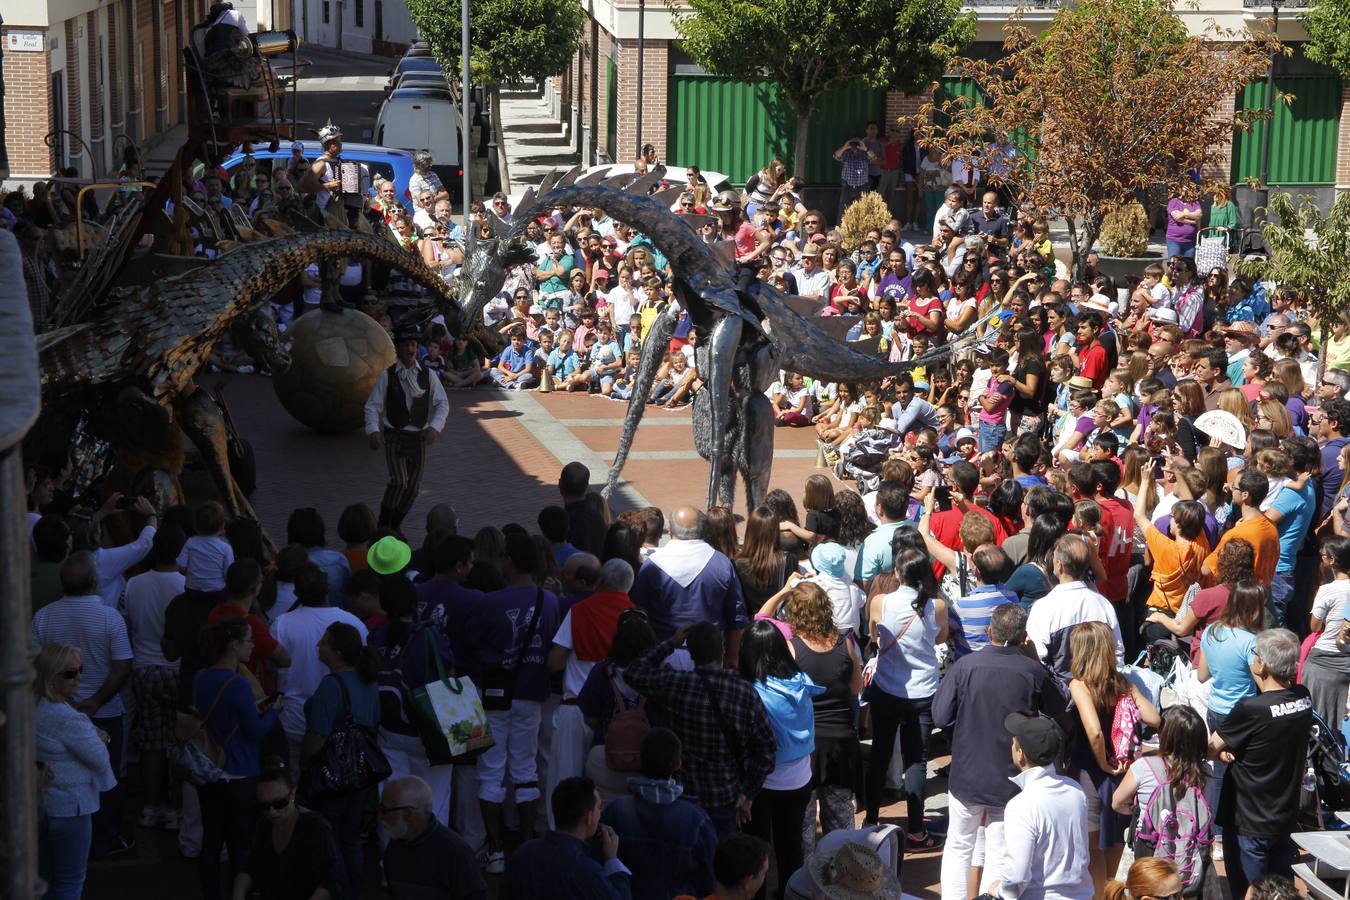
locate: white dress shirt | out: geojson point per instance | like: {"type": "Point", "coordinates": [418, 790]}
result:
{"type": "Point", "coordinates": [1045, 839]}
{"type": "Point", "coordinates": [376, 420]}
{"type": "Point", "coordinates": [1054, 615]}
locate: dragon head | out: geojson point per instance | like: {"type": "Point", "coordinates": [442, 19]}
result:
{"type": "Point", "coordinates": [485, 266]}
{"type": "Point", "coordinates": [257, 334]}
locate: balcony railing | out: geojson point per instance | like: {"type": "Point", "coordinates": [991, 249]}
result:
{"type": "Point", "coordinates": [1283, 4]}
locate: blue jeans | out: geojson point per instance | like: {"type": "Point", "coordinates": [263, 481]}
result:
{"type": "Point", "coordinates": [1177, 248]}
{"type": "Point", "coordinates": [229, 819]}
{"type": "Point", "coordinates": [343, 812]}
{"type": "Point", "coordinates": [63, 853]}
{"type": "Point", "coordinates": [1281, 586]}
{"type": "Point", "coordinates": [1247, 858]}
{"type": "Point", "coordinates": [991, 436]}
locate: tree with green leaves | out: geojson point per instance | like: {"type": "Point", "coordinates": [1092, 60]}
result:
{"type": "Point", "coordinates": [1328, 25]}
{"type": "Point", "coordinates": [810, 47]}
{"type": "Point", "coordinates": [1309, 254]}
{"type": "Point", "coordinates": [510, 40]}
{"type": "Point", "coordinates": [1114, 97]}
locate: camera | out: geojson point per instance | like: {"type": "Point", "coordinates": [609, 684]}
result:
{"type": "Point", "coordinates": [943, 493]}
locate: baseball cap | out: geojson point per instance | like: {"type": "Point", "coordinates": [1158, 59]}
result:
{"type": "Point", "coordinates": [601, 273]}
{"type": "Point", "coordinates": [1039, 737]}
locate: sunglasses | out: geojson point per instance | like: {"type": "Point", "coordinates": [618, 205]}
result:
{"type": "Point", "coordinates": [71, 674]}
{"type": "Point", "coordinates": [276, 805]}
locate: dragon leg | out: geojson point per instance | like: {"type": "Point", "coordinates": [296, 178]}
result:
{"type": "Point", "coordinates": [201, 420]}
{"type": "Point", "coordinates": [722, 344]}
{"type": "Point", "coordinates": [757, 438]}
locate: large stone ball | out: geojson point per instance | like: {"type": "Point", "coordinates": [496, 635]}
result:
{"type": "Point", "coordinates": [335, 359]}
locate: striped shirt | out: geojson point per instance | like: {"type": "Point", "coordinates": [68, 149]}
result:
{"type": "Point", "coordinates": [99, 633]}
{"type": "Point", "coordinates": [970, 616]}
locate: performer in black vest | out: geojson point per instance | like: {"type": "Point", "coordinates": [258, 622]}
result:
{"type": "Point", "coordinates": [408, 404]}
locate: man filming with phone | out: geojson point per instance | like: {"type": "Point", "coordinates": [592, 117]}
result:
{"type": "Point", "coordinates": [857, 161]}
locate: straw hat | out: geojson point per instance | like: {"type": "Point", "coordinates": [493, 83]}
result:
{"type": "Point", "coordinates": [852, 871]}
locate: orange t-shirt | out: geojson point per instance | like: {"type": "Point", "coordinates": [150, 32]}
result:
{"type": "Point", "coordinates": [1261, 533]}
{"type": "Point", "coordinates": [1176, 566]}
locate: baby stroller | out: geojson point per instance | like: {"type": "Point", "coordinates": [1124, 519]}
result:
{"type": "Point", "coordinates": [1326, 780]}
{"type": "Point", "coordinates": [861, 461]}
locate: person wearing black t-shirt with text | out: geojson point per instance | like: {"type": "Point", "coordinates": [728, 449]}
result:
{"type": "Point", "coordinates": [1264, 740]}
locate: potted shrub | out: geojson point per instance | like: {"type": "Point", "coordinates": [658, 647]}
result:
{"type": "Point", "coordinates": [1123, 242]}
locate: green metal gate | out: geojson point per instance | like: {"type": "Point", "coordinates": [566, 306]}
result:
{"type": "Point", "coordinates": [1303, 140]}
{"type": "Point", "coordinates": [735, 128]}
{"type": "Point", "coordinates": [611, 109]}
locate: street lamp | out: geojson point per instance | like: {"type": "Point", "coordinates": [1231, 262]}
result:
{"type": "Point", "coordinates": [641, 48]}
{"type": "Point", "coordinates": [1270, 103]}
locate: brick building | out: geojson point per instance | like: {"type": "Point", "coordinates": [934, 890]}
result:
{"type": "Point", "coordinates": [85, 78]}
{"type": "Point", "coordinates": [693, 117]}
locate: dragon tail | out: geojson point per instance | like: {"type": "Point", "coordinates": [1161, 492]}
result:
{"type": "Point", "coordinates": [653, 352]}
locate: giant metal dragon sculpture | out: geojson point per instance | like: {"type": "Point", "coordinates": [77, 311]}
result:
{"type": "Point", "coordinates": [138, 355]}
{"type": "Point", "coordinates": [749, 329]}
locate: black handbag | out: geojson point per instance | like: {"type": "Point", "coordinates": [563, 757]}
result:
{"type": "Point", "coordinates": [497, 686]}
{"type": "Point", "coordinates": [350, 760]}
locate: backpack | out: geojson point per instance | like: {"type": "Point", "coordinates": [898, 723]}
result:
{"type": "Point", "coordinates": [1180, 830]}
{"type": "Point", "coordinates": [1125, 722]}
{"type": "Point", "coordinates": [623, 737]}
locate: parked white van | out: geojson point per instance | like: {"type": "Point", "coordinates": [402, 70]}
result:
{"type": "Point", "coordinates": [414, 119]}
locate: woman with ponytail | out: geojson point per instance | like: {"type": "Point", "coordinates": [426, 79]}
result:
{"type": "Point", "coordinates": [350, 685]}
{"type": "Point", "coordinates": [908, 625]}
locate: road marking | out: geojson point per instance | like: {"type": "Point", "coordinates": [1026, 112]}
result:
{"type": "Point", "coordinates": [563, 444]}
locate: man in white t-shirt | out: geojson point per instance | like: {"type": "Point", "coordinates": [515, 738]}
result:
{"type": "Point", "coordinates": [299, 632]}
{"type": "Point", "coordinates": [154, 680]}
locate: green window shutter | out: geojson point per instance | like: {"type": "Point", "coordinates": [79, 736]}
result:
{"type": "Point", "coordinates": [1304, 134]}
{"type": "Point", "coordinates": [726, 126]}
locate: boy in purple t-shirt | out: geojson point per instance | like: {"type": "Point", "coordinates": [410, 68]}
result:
{"type": "Point", "coordinates": [994, 402]}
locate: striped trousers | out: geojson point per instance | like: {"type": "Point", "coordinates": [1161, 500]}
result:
{"type": "Point", "coordinates": [405, 452]}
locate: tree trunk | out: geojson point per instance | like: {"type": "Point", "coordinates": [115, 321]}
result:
{"type": "Point", "coordinates": [1073, 248]}
{"type": "Point", "coordinates": [1092, 227]}
{"type": "Point", "coordinates": [799, 148]}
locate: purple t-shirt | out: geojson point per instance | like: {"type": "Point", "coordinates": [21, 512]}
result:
{"type": "Point", "coordinates": [1181, 232]}
{"type": "Point", "coordinates": [1084, 425]}
{"type": "Point", "coordinates": [494, 629]}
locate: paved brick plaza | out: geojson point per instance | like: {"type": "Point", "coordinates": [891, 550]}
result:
{"type": "Point", "coordinates": [497, 460]}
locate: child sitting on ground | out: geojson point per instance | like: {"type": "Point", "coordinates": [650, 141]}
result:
{"type": "Point", "coordinates": [621, 388]}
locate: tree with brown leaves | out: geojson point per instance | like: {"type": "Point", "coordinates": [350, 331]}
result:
{"type": "Point", "coordinates": [1112, 98]}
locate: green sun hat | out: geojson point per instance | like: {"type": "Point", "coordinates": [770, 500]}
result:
{"type": "Point", "coordinates": [388, 556]}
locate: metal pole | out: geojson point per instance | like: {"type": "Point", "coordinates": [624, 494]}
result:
{"type": "Point", "coordinates": [641, 51]}
{"type": "Point", "coordinates": [1270, 109]}
{"type": "Point", "coordinates": [18, 412]}
{"type": "Point", "coordinates": [464, 106]}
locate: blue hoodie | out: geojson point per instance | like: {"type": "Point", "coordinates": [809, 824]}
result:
{"type": "Point", "coordinates": [788, 703]}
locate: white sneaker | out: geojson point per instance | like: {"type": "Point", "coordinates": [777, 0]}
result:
{"type": "Point", "coordinates": [170, 820]}
{"type": "Point", "coordinates": [495, 863]}
{"type": "Point", "coordinates": [150, 817]}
